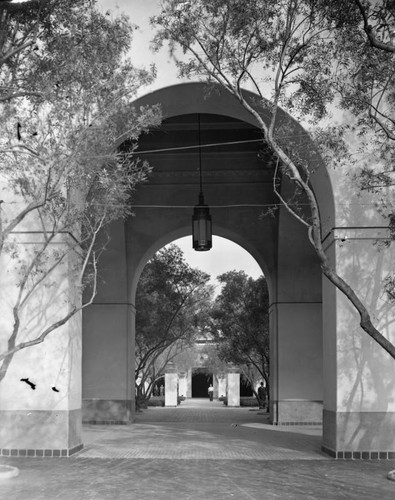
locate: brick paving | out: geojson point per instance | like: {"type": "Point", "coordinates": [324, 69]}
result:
{"type": "Point", "coordinates": [201, 430]}
{"type": "Point", "coordinates": [197, 451]}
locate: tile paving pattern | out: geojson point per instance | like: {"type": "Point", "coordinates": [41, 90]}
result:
{"type": "Point", "coordinates": [197, 431]}
{"type": "Point", "coordinates": [193, 452]}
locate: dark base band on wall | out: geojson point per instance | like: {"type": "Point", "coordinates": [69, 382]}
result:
{"type": "Point", "coordinates": [298, 423]}
{"type": "Point", "coordinates": [5, 452]}
{"type": "Point", "coordinates": [107, 411]}
{"type": "Point", "coordinates": [359, 455]}
{"type": "Point", "coordinates": [105, 422]}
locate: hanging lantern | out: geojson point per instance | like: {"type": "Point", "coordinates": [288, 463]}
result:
{"type": "Point", "coordinates": [201, 219]}
{"type": "Point", "coordinates": [201, 226]}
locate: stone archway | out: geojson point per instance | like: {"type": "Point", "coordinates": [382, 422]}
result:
{"type": "Point", "coordinates": [308, 317]}
{"type": "Point", "coordinates": [318, 349]}
{"type": "Point", "coordinates": [201, 379]}
{"type": "Point", "coordinates": [238, 188]}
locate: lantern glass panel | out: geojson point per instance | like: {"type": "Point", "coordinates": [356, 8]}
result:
{"type": "Point", "coordinates": [201, 229]}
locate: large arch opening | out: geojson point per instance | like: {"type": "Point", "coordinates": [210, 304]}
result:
{"type": "Point", "coordinates": [237, 180]}
{"type": "Point", "coordinates": [187, 332]}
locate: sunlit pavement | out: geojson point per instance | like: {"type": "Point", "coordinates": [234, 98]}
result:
{"type": "Point", "coordinates": [200, 429]}
{"type": "Point", "coordinates": [200, 449]}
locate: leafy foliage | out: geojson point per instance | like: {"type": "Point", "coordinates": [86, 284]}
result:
{"type": "Point", "coordinates": [240, 325]}
{"type": "Point", "coordinates": [65, 87]}
{"type": "Point", "coordinates": [171, 303]}
{"type": "Point", "coordinates": [308, 56]}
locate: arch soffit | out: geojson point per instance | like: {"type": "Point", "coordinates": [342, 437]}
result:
{"type": "Point", "coordinates": [196, 97]}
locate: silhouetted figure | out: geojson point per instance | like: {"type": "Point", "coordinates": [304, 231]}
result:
{"type": "Point", "coordinates": [262, 395]}
{"type": "Point", "coordinates": [211, 392]}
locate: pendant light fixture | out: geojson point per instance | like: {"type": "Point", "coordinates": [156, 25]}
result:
{"type": "Point", "coordinates": [201, 219]}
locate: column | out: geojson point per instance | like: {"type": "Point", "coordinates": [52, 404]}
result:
{"type": "Point", "coordinates": [108, 388]}
{"type": "Point", "coordinates": [171, 382]}
{"type": "Point", "coordinates": [296, 363]}
{"type": "Point", "coordinates": [183, 384]}
{"type": "Point", "coordinates": [222, 385]}
{"type": "Point", "coordinates": [42, 418]}
{"type": "Point", "coordinates": [296, 372]}
{"type": "Point", "coordinates": [359, 376]}
{"type": "Point", "coordinates": [215, 386]}
{"type": "Point", "coordinates": [189, 383]}
{"type": "Point", "coordinates": [233, 393]}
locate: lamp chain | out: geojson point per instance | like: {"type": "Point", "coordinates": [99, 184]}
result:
{"type": "Point", "coordinates": [200, 160]}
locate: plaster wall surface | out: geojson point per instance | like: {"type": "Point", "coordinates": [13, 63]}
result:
{"type": "Point", "coordinates": [106, 325]}
{"type": "Point", "coordinates": [171, 381]}
{"type": "Point", "coordinates": [233, 389]}
{"type": "Point", "coordinates": [189, 384]}
{"type": "Point", "coordinates": [47, 412]}
{"type": "Point", "coordinates": [108, 340]}
{"type": "Point", "coordinates": [222, 386]}
{"type": "Point", "coordinates": [183, 385]}
{"type": "Point", "coordinates": [359, 410]}
{"type": "Point", "coordinates": [300, 351]}
{"type": "Point", "coordinates": [296, 326]}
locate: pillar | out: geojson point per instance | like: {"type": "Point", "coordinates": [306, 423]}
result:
{"type": "Point", "coordinates": [233, 386]}
{"type": "Point", "coordinates": [296, 372]}
{"type": "Point", "coordinates": [183, 384]}
{"type": "Point", "coordinates": [43, 419]}
{"type": "Point", "coordinates": [108, 364]}
{"type": "Point", "coordinates": [215, 386]}
{"type": "Point", "coordinates": [189, 383]}
{"type": "Point", "coordinates": [359, 376]}
{"type": "Point", "coordinates": [171, 382]}
{"type": "Point", "coordinates": [221, 385]}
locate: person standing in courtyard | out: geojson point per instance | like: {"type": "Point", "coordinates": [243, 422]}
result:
{"type": "Point", "coordinates": [262, 396]}
{"type": "Point", "coordinates": [211, 392]}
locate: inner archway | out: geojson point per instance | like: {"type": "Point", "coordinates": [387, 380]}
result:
{"type": "Point", "coordinates": [201, 380]}
{"type": "Point", "coordinates": [181, 322]}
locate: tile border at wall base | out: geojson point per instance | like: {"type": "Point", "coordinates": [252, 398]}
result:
{"type": "Point", "coordinates": [293, 423]}
{"type": "Point", "coordinates": [359, 455]}
{"type": "Point", "coordinates": [40, 453]}
{"type": "Point", "coordinates": [107, 422]}
{"type": "Point", "coordinates": [40, 430]}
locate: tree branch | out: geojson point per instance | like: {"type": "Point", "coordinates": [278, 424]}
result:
{"type": "Point", "coordinates": [369, 31]}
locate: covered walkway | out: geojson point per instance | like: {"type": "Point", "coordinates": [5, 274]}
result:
{"type": "Point", "coordinates": [199, 450]}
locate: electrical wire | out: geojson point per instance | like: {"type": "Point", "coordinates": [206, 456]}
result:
{"type": "Point", "coordinates": [195, 146]}
{"type": "Point", "coordinates": [242, 205]}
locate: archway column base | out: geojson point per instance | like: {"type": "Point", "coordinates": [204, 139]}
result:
{"type": "Point", "coordinates": [40, 433]}
{"type": "Point", "coordinates": [297, 412]}
{"type": "Point", "coordinates": [359, 455]}
{"type": "Point", "coordinates": [364, 435]}
{"type": "Point", "coordinates": [107, 411]}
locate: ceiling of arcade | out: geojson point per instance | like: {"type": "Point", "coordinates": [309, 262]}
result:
{"type": "Point", "coordinates": [237, 174]}
{"type": "Point", "coordinates": [227, 157]}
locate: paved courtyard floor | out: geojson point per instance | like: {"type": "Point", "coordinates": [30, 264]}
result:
{"type": "Point", "coordinates": [199, 450]}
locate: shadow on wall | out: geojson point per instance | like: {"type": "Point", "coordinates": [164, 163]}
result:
{"type": "Point", "coordinates": [366, 373]}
